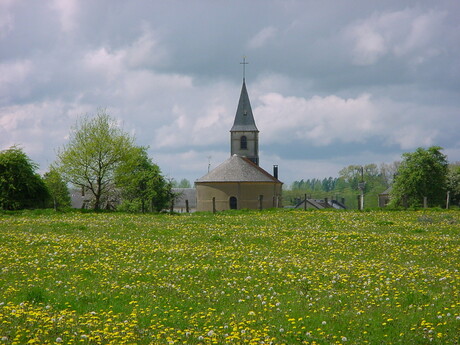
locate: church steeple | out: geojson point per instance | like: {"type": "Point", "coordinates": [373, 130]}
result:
{"type": "Point", "coordinates": [244, 135]}
{"type": "Point", "coordinates": [244, 120]}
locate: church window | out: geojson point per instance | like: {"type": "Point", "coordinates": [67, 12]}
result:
{"type": "Point", "coordinates": [243, 143]}
{"type": "Point", "coordinates": [233, 203]}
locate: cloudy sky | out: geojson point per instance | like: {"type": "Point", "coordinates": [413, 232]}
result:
{"type": "Point", "coordinates": [331, 82]}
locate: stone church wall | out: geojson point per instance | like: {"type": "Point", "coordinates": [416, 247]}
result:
{"type": "Point", "coordinates": [247, 195]}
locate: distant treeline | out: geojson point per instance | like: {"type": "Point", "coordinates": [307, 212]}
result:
{"type": "Point", "coordinates": [345, 187]}
{"type": "Point", "coordinates": [325, 185]}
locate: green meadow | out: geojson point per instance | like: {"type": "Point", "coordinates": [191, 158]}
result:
{"type": "Point", "coordinates": [247, 277]}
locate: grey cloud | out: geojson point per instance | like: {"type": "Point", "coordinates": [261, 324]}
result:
{"type": "Point", "coordinates": [375, 78]}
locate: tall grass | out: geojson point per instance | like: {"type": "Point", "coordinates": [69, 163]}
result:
{"type": "Point", "coordinates": [245, 277]}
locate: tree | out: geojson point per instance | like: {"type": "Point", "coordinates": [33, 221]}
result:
{"type": "Point", "coordinates": [388, 171]}
{"type": "Point", "coordinates": [184, 183]}
{"type": "Point", "coordinates": [97, 146]}
{"type": "Point", "coordinates": [142, 185]}
{"type": "Point", "coordinates": [20, 186]}
{"type": "Point", "coordinates": [351, 175]}
{"type": "Point", "coordinates": [453, 183]}
{"type": "Point", "coordinates": [57, 188]}
{"type": "Point", "coordinates": [422, 173]}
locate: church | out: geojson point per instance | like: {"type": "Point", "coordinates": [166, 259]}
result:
{"type": "Point", "coordinates": [239, 182]}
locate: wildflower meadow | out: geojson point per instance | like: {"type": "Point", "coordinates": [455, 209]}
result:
{"type": "Point", "coordinates": [243, 277]}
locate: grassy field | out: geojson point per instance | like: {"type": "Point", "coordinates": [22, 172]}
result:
{"type": "Point", "coordinates": [272, 277]}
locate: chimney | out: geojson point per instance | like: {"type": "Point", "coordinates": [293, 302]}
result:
{"type": "Point", "coordinates": [275, 171]}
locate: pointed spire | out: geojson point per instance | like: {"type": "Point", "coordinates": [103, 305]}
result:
{"type": "Point", "coordinates": [244, 120]}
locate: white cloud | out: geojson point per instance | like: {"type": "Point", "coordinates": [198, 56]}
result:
{"type": "Point", "coordinates": [318, 120]}
{"type": "Point", "coordinates": [201, 129]}
{"type": "Point", "coordinates": [172, 135]}
{"type": "Point", "coordinates": [67, 11]}
{"type": "Point", "coordinates": [144, 84]}
{"type": "Point", "coordinates": [369, 45]}
{"type": "Point", "coordinates": [12, 77]}
{"type": "Point", "coordinates": [189, 164]}
{"type": "Point", "coordinates": [331, 120]}
{"type": "Point", "coordinates": [146, 50]}
{"type": "Point", "coordinates": [195, 116]}
{"type": "Point", "coordinates": [411, 136]}
{"type": "Point", "coordinates": [408, 32]}
{"type": "Point", "coordinates": [170, 77]}
{"type": "Point", "coordinates": [144, 53]}
{"type": "Point", "coordinates": [6, 17]}
{"type": "Point", "coordinates": [40, 128]}
{"type": "Point", "coordinates": [104, 62]}
{"type": "Point", "coordinates": [6, 23]}
{"type": "Point", "coordinates": [423, 31]}
{"type": "Point", "coordinates": [411, 125]}
{"type": "Point", "coordinates": [213, 117]}
{"type": "Point", "coordinates": [262, 37]}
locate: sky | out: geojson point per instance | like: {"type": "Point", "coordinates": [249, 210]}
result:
{"type": "Point", "coordinates": [332, 83]}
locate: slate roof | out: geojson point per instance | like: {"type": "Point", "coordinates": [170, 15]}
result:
{"type": "Point", "coordinates": [238, 169]}
{"type": "Point", "coordinates": [244, 120]}
{"type": "Point", "coordinates": [320, 204]}
{"type": "Point", "coordinates": [183, 194]}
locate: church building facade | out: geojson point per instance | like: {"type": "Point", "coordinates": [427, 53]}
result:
{"type": "Point", "coordinates": [239, 182]}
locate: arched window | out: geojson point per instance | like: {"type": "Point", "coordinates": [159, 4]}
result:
{"type": "Point", "coordinates": [244, 143]}
{"type": "Point", "coordinates": [233, 203]}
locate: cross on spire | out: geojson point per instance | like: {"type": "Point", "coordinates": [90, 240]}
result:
{"type": "Point", "coordinates": [244, 63]}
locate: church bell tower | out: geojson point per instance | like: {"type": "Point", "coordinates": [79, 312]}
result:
{"type": "Point", "coordinates": [244, 135]}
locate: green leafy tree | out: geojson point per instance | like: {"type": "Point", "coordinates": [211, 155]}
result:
{"type": "Point", "coordinates": [343, 187]}
{"type": "Point", "coordinates": [453, 183]}
{"type": "Point", "coordinates": [142, 185]}
{"type": "Point", "coordinates": [388, 171]}
{"type": "Point", "coordinates": [20, 186]}
{"type": "Point", "coordinates": [422, 173]}
{"type": "Point", "coordinates": [60, 197]}
{"type": "Point", "coordinates": [352, 174]}
{"type": "Point", "coordinates": [96, 148]}
{"type": "Point", "coordinates": [184, 183]}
